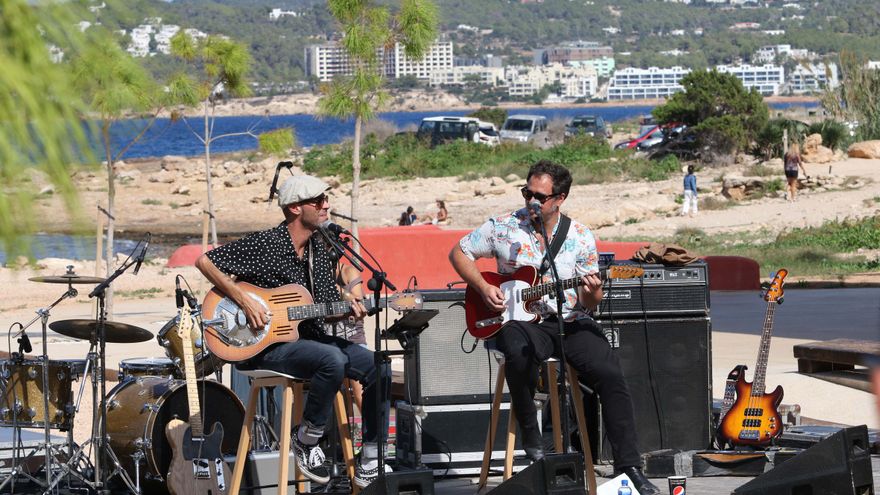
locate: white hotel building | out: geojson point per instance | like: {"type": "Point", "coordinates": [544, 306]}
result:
{"type": "Point", "coordinates": [328, 60]}
{"type": "Point", "coordinates": [459, 75]}
{"type": "Point", "coordinates": [575, 82]}
{"type": "Point", "coordinates": [653, 82]}
{"type": "Point", "coordinates": [767, 79]}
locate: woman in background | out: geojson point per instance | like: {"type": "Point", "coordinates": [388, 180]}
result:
{"type": "Point", "coordinates": [792, 162]}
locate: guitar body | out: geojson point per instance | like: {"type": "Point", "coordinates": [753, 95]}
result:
{"type": "Point", "coordinates": [483, 322]}
{"type": "Point", "coordinates": [197, 467]}
{"type": "Point", "coordinates": [752, 420]}
{"type": "Point", "coordinates": [245, 342]}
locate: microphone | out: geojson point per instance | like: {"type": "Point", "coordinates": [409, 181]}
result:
{"type": "Point", "coordinates": [24, 344]}
{"type": "Point", "coordinates": [535, 206]}
{"type": "Point", "coordinates": [334, 228]}
{"type": "Point", "coordinates": [178, 293]}
{"type": "Point", "coordinates": [143, 254]}
{"type": "Point", "coordinates": [274, 189]}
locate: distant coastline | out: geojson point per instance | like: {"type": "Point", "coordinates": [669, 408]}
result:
{"type": "Point", "coordinates": [423, 101]}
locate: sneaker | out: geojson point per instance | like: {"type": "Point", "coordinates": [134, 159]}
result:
{"type": "Point", "coordinates": [363, 476]}
{"type": "Point", "coordinates": [310, 460]}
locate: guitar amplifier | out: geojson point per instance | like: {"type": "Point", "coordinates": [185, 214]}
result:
{"type": "Point", "coordinates": [661, 291]}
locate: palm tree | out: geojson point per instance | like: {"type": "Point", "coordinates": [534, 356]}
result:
{"type": "Point", "coordinates": [370, 29]}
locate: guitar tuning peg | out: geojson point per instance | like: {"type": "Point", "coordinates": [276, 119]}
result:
{"type": "Point", "coordinates": [780, 300]}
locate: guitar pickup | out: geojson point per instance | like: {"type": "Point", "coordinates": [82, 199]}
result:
{"type": "Point", "coordinates": [201, 469]}
{"type": "Point", "coordinates": [489, 322]}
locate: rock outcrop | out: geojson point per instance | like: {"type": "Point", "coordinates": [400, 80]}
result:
{"type": "Point", "coordinates": [865, 149]}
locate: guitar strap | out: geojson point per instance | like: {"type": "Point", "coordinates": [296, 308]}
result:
{"type": "Point", "coordinates": [556, 245]}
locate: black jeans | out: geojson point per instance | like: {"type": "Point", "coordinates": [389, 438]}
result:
{"type": "Point", "coordinates": [526, 345]}
{"type": "Point", "coordinates": [325, 361]}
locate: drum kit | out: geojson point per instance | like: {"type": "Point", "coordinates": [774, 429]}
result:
{"type": "Point", "coordinates": [127, 449]}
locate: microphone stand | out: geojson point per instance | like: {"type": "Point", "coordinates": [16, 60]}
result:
{"type": "Point", "coordinates": [377, 282]}
{"type": "Point", "coordinates": [102, 447]}
{"type": "Point", "coordinates": [563, 361]}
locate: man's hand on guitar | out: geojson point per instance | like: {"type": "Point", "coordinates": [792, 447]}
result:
{"type": "Point", "coordinates": [257, 315]}
{"type": "Point", "coordinates": [493, 297]}
{"type": "Point", "coordinates": [358, 310]}
{"type": "Point", "coordinates": [592, 281]}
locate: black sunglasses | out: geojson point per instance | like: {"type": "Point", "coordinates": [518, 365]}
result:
{"type": "Point", "coordinates": [542, 198]}
{"type": "Point", "coordinates": [317, 201]}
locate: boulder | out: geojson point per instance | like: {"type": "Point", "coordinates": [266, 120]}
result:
{"type": "Point", "coordinates": [865, 149]}
{"type": "Point", "coordinates": [512, 178]}
{"type": "Point", "coordinates": [811, 143]}
{"type": "Point", "coordinates": [235, 181]}
{"type": "Point", "coordinates": [737, 188]}
{"type": "Point", "coordinates": [820, 154]}
{"type": "Point", "coordinates": [162, 177]}
{"type": "Point", "coordinates": [174, 163]}
{"type": "Point", "coordinates": [181, 189]}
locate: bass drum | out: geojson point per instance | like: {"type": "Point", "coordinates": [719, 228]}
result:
{"type": "Point", "coordinates": [139, 409]}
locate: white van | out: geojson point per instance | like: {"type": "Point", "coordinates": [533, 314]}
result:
{"type": "Point", "coordinates": [526, 129]}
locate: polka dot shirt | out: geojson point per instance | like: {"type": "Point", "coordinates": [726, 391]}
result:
{"type": "Point", "coordinates": [268, 259]}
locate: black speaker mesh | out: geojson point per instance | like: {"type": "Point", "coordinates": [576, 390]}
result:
{"type": "Point", "coordinates": [663, 300]}
{"type": "Point", "coordinates": [439, 371]}
{"type": "Point", "coordinates": [674, 412]}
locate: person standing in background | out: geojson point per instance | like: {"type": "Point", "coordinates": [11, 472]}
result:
{"type": "Point", "coordinates": [689, 205]}
{"type": "Point", "coordinates": [792, 162]}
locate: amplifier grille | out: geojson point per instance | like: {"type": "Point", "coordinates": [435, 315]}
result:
{"type": "Point", "coordinates": [655, 300]}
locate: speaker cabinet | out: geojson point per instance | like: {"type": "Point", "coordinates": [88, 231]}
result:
{"type": "Point", "coordinates": [438, 370]}
{"type": "Point", "coordinates": [667, 366]}
{"type": "Point", "coordinates": [838, 465]}
{"type": "Point", "coordinates": [415, 482]}
{"type": "Point", "coordinates": [556, 474]}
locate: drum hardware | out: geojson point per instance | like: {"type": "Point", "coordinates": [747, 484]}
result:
{"type": "Point", "coordinates": [68, 278]}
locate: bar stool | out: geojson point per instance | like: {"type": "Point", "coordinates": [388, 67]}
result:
{"type": "Point", "coordinates": [555, 415]}
{"type": "Point", "coordinates": [291, 401]}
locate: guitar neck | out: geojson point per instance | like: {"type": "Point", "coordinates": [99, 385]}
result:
{"type": "Point", "coordinates": [763, 352]}
{"type": "Point", "coordinates": [192, 392]}
{"type": "Point", "coordinates": [322, 310]}
{"type": "Point", "coordinates": [541, 290]}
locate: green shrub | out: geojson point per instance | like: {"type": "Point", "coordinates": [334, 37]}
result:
{"type": "Point", "coordinates": [278, 142]}
{"type": "Point", "coordinates": [834, 133]}
{"type": "Point", "coordinates": [768, 142]}
{"type": "Point", "coordinates": [495, 115]}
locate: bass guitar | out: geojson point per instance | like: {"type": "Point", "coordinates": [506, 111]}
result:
{"type": "Point", "coordinates": [232, 340]}
{"type": "Point", "coordinates": [754, 417]}
{"type": "Point", "coordinates": [197, 465]}
{"type": "Point", "coordinates": [729, 395]}
{"type": "Point", "coordinates": [521, 289]}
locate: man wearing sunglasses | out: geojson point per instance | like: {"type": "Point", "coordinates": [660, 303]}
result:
{"type": "Point", "coordinates": [293, 253]}
{"type": "Point", "coordinates": [514, 240]}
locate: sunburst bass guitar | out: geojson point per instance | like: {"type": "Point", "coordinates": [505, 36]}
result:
{"type": "Point", "coordinates": [754, 417]}
{"type": "Point", "coordinates": [521, 289]}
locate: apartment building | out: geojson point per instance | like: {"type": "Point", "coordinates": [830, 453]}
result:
{"type": "Point", "coordinates": [461, 74]}
{"type": "Point", "coordinates": [576, 82]}
{"type": "Point", "coordinates": [767, 78]}
{"type": "Point", "coordinates": [812, 78]}
{"type": "Point", "coordinates": [328, 60]}
{"type": "Point", "coordinates": [653, 82]}
{"type": "Point", "coordinates": [575, 51]}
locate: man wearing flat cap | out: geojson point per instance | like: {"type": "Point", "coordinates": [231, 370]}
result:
{"type": "Point", "coordinates": [293, 253]}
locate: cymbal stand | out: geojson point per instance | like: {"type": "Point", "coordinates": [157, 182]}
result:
{"type": "Point", "coordinates": [43, 316]}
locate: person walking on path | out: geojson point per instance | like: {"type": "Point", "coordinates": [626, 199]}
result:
{"type": "Point", "coordinates": [689, 205]}
{"type": "Point", "coordinates": [792, 162]}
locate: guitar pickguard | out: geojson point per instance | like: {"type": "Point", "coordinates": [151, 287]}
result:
{"type": "Point", "coordinates": [516, 309]}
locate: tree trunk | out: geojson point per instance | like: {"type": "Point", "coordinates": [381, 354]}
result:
{"type": "Point", "coordinates": [356, 178]}
{"type": "Point", "coordinates": [211, 221]}
{"type": "Point", "coordinates": [111, 210]}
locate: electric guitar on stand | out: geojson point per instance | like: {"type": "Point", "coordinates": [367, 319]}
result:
{"type": "Point", "coordinates": [754, 417]}
{"type": "Point", "coordinates": [729, 395]}
{"type": "Point", "coordinates": [521, 289]}
{"type": "Point", "coordinates": [197, 465]}
{"type": "Point", "coordinates": [232, 340]}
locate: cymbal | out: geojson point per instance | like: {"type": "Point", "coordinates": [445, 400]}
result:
{"type": "Point", "coordinates": [67, 278]}
{"type": "Point", "coordinates": [114, 332]}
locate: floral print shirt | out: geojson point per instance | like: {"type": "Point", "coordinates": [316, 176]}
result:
{"type": "Point", "coordinates": [513, 242]}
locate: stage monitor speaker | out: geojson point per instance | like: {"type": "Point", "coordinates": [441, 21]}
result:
{"type": "Point", "coordinates": [415, 482]}
{"type": "Point", "coordinates": [555, 474]}
{"type": "Point", "coordinates": [838, 465]}
{"type": "Point", "coordinates": [438, 370]}
{"type": "Point", "coordinates": [667, 366]}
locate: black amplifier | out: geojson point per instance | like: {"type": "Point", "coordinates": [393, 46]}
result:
{"type": "Point", "coordinates": [661, 291]}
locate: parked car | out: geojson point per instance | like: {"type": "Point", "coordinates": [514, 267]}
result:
{"type": "Point", "coordinates": [488, 134]}
{"type": "Point", "coordinates": [683, 145]}
{"type": "Point", "coordinates": [668, 132]}
{"type": "Point", "coordinates": [655, 134]}
{"type": "Point", "coordinates": [587, 125]}
{"type": "Point", "coordinates": [526, 129]}
{"type": "Point", "coordinates": [439, 130]}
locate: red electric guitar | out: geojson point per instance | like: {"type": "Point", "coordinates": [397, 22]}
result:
{"type": "Point", "coordinates": [521, 289]}
{"type": "Point", "coordinates": [754, 418]}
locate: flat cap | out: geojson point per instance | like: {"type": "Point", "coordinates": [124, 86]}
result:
{"type": "Point", "coordinates": [300, 188]}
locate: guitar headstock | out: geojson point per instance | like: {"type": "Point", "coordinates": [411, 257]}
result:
{"type": "Point", "coordinates": [405, 301]}
{"type": "Point", "coordinates": [625, 271]}
{"type": "Point", "coordinates": [774, 292]}
{"type": "Point", "coordinates": [185, 324]}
